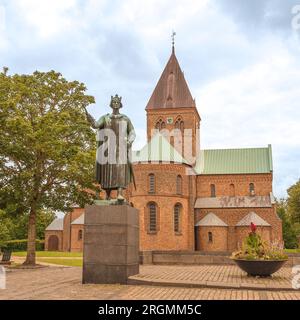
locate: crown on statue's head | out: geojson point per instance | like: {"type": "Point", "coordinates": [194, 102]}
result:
{"type": "Point", "coordinates": [116, 100]}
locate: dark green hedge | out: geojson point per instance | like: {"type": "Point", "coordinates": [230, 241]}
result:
{"type": "Point", "coordinates": [20, 245]}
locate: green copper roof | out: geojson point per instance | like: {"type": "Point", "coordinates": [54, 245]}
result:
{"type": "Point", "coordinates": [158, 149]}
{"type": "Point", "coordinates": [235, 161]}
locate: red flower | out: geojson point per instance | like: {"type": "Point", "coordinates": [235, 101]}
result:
{"type": "Point", "coordinates": [253, 227]}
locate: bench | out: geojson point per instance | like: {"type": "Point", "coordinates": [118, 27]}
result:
{"type": "Point", "coordinates": [6, 256]}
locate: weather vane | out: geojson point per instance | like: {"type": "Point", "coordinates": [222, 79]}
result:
{"type": "Point", "coordinates": [173, 38]}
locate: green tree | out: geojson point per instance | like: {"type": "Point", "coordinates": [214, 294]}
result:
{"type": "Point", "coordinates": [5, 226]}
{"type": "Point", "coordinates": [44, 218]}
{"type": "Point", "coordinates": [46, 146]}
{"type": "Point", "coordinates": [16, 227]}
{"type": "Point", "coordinates": [288, 229]}
{"type": "Point", "coordinates": [293, 202]}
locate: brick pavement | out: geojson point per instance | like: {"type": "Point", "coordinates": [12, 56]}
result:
{"type": "Point", "coordinates": [219, 276]}
{"type": "Point", "coordinates": [65, 283]}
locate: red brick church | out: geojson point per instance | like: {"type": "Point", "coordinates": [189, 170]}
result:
{"type": "Point", "coordinates": [204, 201]}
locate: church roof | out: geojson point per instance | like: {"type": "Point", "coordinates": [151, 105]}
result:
{"type": "Point", "coordinates": [79, 220]}
{"type": "Point", "coordinates": [254, 218]}
{"type": "Point", "coordinates": [158, 149]}
{"type": "Point", "coordinates": [171, 90]}
{"type": "Point", "coordinates": [56, 225]}
{"type": "Point", "coordinates": [211, 220]}
{"type": "Point", "coordinates": [235, 161]}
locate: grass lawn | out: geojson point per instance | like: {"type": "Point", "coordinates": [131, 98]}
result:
{"type": "Point", "coordinates": [63, 262]}
{"type": "Point", "coordinates": [49, 254]}
{"type": "Point", "coordinates": [292, 250]}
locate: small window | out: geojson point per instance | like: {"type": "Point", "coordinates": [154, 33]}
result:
{"type": "Point", "coordinates": [151, 183]}
{"type": "Point", "coordinates": [152, 217]}
{"type": "Point", "coordinates": [177, 214]}
{"type": "Point", "coordinates": [212, 190]}
{"type": "Point", "coordinates": [251, 189]}
{"type": "Point", "coordinates": [210, 237]}
{"type": "Point", "coordinates": [179, 184]}
{"type": "Point", "coordinates": [80, 235]}
{"type": "Point", "coordinates": [232, 190]}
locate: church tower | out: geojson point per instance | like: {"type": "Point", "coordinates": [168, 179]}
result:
{"type": "Point", "coordinates": [171, 106]}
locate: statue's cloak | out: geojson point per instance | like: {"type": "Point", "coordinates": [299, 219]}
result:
{"type": "Point", "coordinates": [119, 174]}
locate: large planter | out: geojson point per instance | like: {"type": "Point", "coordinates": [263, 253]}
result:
{"type": "Point", "coordinates": [262, 268]}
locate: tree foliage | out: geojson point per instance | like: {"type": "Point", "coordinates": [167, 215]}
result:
{"type": "Point", "coordinates": [289, 231]}
{"type": "Point", "coordinates": [46, 146]}
{"type": "Point", "coordinates": [293, 202]}
{"type": "Point", "coordinates": [15, 227]}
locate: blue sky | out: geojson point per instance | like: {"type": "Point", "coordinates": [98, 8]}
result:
{"type": "Point", "coordinates": [240, 58]}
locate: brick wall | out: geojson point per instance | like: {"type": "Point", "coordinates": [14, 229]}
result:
{"type": "Point", "coordinates": [166, 198]}
{"type": "Point", "coordinates": [231, 216]}
{"type": "Point", "coordinates": [67, 234]}
{"type": "Point", "coordinates": [189, 116]}
{"type": "Point", "coordinates": [68, 219]}
{"type": "Point", "coordinates": [219, 238]}
{"type": "Point", "coordinates": [76, 243]}
{"type": "Point", "coordinates": [59, 234]}
{"type": "Point", "coordinates": [262, 184]}
{"type": "Point", "coordinates": [165, 179]}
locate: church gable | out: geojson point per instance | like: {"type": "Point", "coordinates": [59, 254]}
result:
{"type": "Point", "coordinates": [211, 220]}
{"type": "Point", "coordinates": [254, 218]}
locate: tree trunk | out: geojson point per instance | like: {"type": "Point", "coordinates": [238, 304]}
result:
{"type": "Point", "coordinates": [30, 258]}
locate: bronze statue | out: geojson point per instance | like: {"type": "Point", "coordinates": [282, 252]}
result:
{"type": "Point", "coordinates": [114, 140]}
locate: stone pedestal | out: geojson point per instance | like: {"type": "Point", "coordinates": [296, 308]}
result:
{"type": "Point", "coordinates": [111, 243]}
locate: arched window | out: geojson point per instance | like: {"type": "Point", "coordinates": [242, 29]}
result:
{"type": "Point", "coordinates": [212, 190]}
{"type": "Point", "coordinates": [152, 211]}
{"type": "Point", "coordinates": [179, 184]}
{"type": "Point", "coordinates": [177, 217]}
{"type": "Point", "coordinates": [160, 124]}
{"type": "Point", "coordinates": [80, 235]}
{"type": "Point", "coordinates": [210, 237]}
{"type": "Point", "coordinates": [251, 189]}
{"type": "Point", "coordinates": [179, 124]}
{"type": "Point", "coordinates": [151, 178]}
{"type": "Point", "coordinates": [232, 190]}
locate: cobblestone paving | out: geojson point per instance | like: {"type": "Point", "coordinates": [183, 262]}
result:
{"type": "Point", "coordinates": [65, 283]}
{"type": "Point", "coordinates": [214, 275]}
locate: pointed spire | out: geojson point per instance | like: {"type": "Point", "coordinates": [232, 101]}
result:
{"type": "Point", "coordinates": [171, 90]}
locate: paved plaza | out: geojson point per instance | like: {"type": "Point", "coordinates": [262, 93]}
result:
{"type": "Point", "coordinates": [214, 276]}
{"type": "Point", "coordinates": [53, 282]}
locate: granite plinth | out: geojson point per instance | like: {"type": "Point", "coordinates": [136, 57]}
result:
{"type": "Point", "coordinates": [111, 243]}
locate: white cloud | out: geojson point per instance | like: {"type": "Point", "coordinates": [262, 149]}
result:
{"type": "Point", "coordinates": [240, 60]}
{"type": "Point", "coordinates": [3, 39]}
{"type": "Point", "coordinates": [48, 17]}
{"type": "Point", "coordinates": [256, 106]}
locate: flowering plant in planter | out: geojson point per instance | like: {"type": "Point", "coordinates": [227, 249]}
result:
{"type": "Point", "coordinates": [255, 248]}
